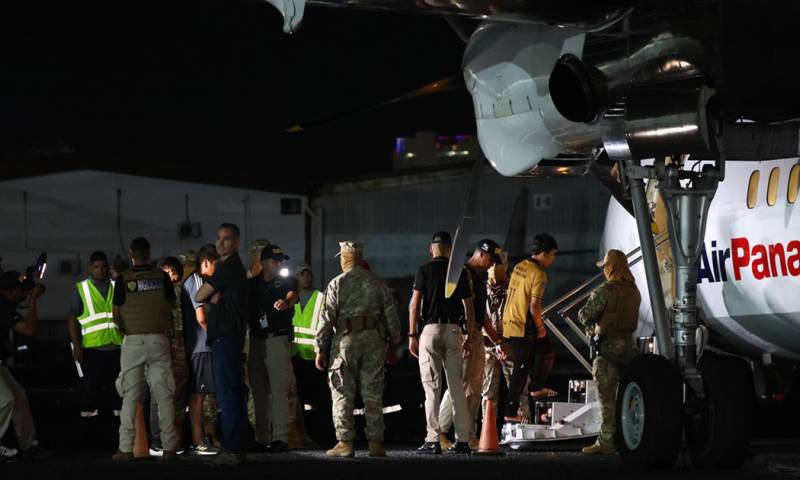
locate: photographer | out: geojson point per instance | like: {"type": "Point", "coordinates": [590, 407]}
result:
{"type": "Point", "coordinates": [13, 401]}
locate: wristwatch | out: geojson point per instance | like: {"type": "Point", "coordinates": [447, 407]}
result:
{"type": "Point", "coordinates": [413, 335]}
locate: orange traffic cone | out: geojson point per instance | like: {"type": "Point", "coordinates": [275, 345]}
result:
{"type": "Point", "coordinates": [489, 443]}
{"type": "Point", "coordinates": [141, 447]}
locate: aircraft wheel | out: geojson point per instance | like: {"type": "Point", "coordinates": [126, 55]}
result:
{"type": "Point", "coordinates": [649, 413]}
{"type": "Point", "coordinates": [718, 431]}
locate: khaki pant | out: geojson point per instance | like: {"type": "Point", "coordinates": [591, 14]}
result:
{"type": "Point", "coordinates": [472, 379]}
{"type": "Point", "coordinates": [269, 361]}
{"type": "Point", "coordinates": [151, 351]}
{"type": "Point", "coordinates": [440, 347]}
{"type": "Point", "coordinates": [14, 406]}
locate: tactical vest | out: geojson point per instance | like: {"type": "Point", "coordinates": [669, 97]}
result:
{"type": "Point", "coordinates": [621, 314]}
{"type": "Point", "coordinates": [306, 322]}
{"type": "Point", "coordinates": [146, 309]}
{"type": "Point", "coordinates": [97, 321]}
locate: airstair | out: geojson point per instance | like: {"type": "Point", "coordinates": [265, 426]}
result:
{"type": "Point", "coordinates": [579, 416]}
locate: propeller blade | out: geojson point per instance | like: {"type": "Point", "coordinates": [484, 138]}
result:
{"type": "Point", "coordinates": [518, 226]}
{"type": "Point", "coordinates": [461, 241]}
{"type": "Point", "coordinates": [453, 82]}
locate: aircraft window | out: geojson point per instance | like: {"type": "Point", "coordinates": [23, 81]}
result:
{"type": "Point", "coordinates": [772, 187]}
{"type": "Point", "coordinates": [752, 189]}
{"type": "Point", "coordinates": [794, 183]}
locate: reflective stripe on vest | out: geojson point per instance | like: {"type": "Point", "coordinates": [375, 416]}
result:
{"type": "Point", "coordinates": [97, 320]}
{"type": "Point", "coordinates": [306, 322]}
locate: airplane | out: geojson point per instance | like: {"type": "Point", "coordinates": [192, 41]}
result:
{"type": "Point", "coordinates": [566, 87]}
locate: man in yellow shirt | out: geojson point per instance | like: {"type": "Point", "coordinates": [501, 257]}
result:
{"type": "Point", "coordinates": [524, 327]}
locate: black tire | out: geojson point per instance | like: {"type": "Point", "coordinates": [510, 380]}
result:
{"type": "Point", "coordinates": [656, 442]}
{"type": "Point", "coordinates": [718, 432]}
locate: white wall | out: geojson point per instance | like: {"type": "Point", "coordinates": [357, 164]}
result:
{"type": "Point", "coordinates": [72, 214]}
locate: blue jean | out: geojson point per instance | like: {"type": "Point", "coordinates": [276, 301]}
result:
{"type": "Point", "coordinates": [228, 366]}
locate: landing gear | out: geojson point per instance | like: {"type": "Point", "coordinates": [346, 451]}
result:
{"type": "Point", "coordinates": [657, 393]}
{"type": "Point", "coordinates": [718, 425]}
{"type": "Point", "coordinates": [649, 413]}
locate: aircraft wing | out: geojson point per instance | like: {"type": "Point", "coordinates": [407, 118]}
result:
{"type": "Point", "coordinates": [586, 16]}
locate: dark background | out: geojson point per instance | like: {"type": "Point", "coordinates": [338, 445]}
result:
{"type": "Point", "coordinates": [181, 90]}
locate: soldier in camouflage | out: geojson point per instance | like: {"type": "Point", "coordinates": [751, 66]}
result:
{"type": "Point", "coordinates": [356, 312]}
{"type": "Point", "coordinates": [611, 316]}
{"type": "Point", "coordinates": [172, 266]}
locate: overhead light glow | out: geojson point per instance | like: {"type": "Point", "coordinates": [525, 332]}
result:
{"type": "Point", "coordinates": [284, 272]}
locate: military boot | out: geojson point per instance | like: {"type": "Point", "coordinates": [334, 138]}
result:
{"type": "Point", "coordinates": [342, 449]}
{"type": "Point", "coordinates": [376, 449]}
{"type": "Point", "coordinates": [598, 449]}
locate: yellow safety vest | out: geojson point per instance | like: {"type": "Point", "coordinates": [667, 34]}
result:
{"type": "Point", "coordinates": [97, 320]}
{"type": "Point", "coordinates": [306, 322]}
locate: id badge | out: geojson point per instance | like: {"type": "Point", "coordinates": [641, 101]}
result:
{"type": "Point", "coordinates": [263, 323]}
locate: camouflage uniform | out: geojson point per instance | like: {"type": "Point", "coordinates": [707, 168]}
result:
{"type": "Point", "coordinates": [180, 373]}
{"type": "Point", "coordinates": [494, 367]}
{"type": "Point", "coordinates": [611, 312]}
{"type": "Point", "coordinates": [358, 351]}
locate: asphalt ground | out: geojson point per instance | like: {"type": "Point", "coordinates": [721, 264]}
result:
{"type": "Point", "coordinates": [771, 459]}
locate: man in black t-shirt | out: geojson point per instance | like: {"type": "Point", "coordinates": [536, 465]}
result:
{"type": "Point", "coordinates": [226, 292]}
{"type": "Point", "coordinates": [441, 343]}
{"type": "Point", "coordinates": [486, 254]}
{"type": "Point", "coordinates": [13, 401]}
{"type": "Point", "coordinates": [272, 300]}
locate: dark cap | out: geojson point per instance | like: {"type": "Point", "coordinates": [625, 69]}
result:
{"type": "Point", "coordinates": [274, 252]}
{"type": "Point", "coordinates": [492, 248]}
{"type": "Point", "coordinates": [442, 237]}
{"type": "Point", "coordinates": [11, 280]}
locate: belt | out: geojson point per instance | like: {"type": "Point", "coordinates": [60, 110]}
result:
{"type": "Point", "coordinates": [357, 324]}
{"type": "Point", "coordinates": [443, 320]}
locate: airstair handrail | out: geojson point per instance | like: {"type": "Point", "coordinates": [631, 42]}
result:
{"type": "Point", "coordinates": [583, 292]}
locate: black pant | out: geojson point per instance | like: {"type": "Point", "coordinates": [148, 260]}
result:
{"type": "Point", "coordinates": [532, 357]}
{"type": "Point", "coordinates": [100, 371]}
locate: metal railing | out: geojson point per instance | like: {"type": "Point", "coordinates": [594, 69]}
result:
{"type": "Point", "coordinates": [561, 309]}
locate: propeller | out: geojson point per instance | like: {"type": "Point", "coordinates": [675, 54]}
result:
{"type": "Point", "coordinates": [449, 84]}
{"type": "Point", "coordinates": [461, 241]}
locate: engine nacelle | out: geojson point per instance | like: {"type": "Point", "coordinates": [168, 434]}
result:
{"type": "Point", "coordinates": [507, 69]}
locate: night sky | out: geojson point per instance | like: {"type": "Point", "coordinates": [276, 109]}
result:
{"type": "Point", "coordinates": [185, 90]}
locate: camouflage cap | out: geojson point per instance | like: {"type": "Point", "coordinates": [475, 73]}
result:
{"type": "Point", "coordinates": [190, 256]}
{"type": "Point", "coordinates": [259, 244]}
{"type": "Point", "coordinates": [614, 257]}
{"type": "Point", "coordinates": [350, 247]}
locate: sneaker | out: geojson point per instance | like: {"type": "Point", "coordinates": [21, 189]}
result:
{"type": "Point", "coordinates": [156, 451]}
{"type": "Point", "coordinates": [277, 447]}
{"type": "Point", "coordinates": [203, 450]}
{"type": "Point", "coordinates": [228, 459]}
{"type": "Point", "coordinates": [36, 453]}
{"type": "Point", "coordinates": [7, 452]}
{"type": "Point", "coordinates": [430, 448]}
{"type": "Point", "coordinates": [88, 413]}
{"type": "Point", "coordinates": [460, 448]}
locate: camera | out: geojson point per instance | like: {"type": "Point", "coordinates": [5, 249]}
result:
{"type": "Point", "coordinates": [35, 272]}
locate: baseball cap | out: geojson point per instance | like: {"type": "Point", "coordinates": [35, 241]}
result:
{"type": "Point", "coordinates": [10, 280]}
{"type": "Point", "coordinates": [613, 256]}
{"type": "Point", "coordinates": [303, 267]}
{"type": "Point", "coordinates": [274, 252]}
{"type": "Point", "coordinates": [492, 248]}
{"type": "Point", "coordinates": [442, 237]}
